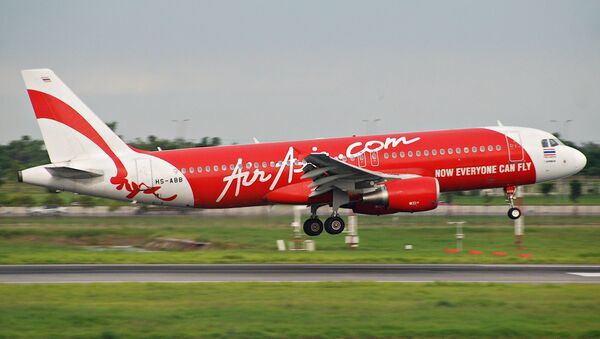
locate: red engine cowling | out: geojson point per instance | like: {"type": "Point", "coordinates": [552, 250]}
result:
{"type": "Point", "coordinates": [406, 195]}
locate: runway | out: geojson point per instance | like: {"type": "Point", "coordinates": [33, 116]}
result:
{"type": "Point", "coordinates": [300, 273]}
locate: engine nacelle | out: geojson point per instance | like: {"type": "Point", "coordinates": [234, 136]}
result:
{"type": "Point", "coordinates": [406, 195]}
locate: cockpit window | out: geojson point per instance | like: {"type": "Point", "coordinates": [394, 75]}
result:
{"type": "Point", "coordinates": [545, 143]}
{"type": "Point", "coordinates": [553, 142]}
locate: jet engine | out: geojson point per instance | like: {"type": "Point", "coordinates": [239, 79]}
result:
{"type": "Point", "coordinates": [405, 195]}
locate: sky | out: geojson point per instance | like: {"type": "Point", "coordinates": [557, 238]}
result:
{"type": "Point", "coordinates": [287, 70]}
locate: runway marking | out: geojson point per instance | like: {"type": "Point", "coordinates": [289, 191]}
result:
{"type": "Point", "coordinates": [586, 274]}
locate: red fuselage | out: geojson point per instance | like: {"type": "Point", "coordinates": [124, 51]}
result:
{"type": "Point", "coordinates": [461, 159]}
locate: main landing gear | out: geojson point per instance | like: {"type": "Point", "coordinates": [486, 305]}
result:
{"type": "Point", "coordinates": [513, 212]}
{"type": "Point", "coordinates": [334, 224]}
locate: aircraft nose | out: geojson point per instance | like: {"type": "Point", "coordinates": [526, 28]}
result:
{"type": "Point", "coordinates": [579, 160]}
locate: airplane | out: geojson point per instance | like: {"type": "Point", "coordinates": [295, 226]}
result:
{"type": "Point", "coordinates": [372, 174]}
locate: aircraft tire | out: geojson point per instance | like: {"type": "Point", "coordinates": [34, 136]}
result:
{"type": "Point", "coordinates": [334, 225]}
{"type": "Point", "coordinates": [514, 213]}
{"type": "Point", "coordinates": [313, 227]}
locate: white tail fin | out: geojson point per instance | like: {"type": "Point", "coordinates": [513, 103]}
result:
{"type": "Point", "coordinates": [71, 131]}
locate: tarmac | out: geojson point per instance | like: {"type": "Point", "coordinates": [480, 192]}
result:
{"type": "Point", "coordinates": [29, 274]}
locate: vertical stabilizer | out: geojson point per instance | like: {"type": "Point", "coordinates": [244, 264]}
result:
{"type": "Point", "coordinates": [71, 131]}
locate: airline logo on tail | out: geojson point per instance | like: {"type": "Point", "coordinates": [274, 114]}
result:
{"type": "Point", "coordinates": [57, 107]}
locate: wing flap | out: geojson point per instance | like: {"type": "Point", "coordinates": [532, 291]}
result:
{"type": "Point", "coordinates": [328, 173]}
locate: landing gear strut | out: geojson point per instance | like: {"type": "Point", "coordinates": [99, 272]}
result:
{"type": "Point", "coordinates": [513, 212]}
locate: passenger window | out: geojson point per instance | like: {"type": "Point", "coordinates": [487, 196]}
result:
{"type": "Point", "coordinates": [248, 165]}
{"type": "Point", "coordinates": [191, 170]}
{"type": "Point", "coordinates": [498, 147]}
{"type": "Point", "coordinates": [482, 148]}
{"type": "Point", "coordinates": [394, 155]}
{"type": "Point", "coordinates": [401, 154]}
{"type": "Point", "coordinates": [216, 168]}
{"type": "Point", "coordinates": [278, 164]}
{"type": "Point", "coordinates": [426, 153]}
{"type": "Point", "coordinates": [256, 165]}
{"type": "Point", "coordinates": [231, 166]}
{"type": "Point", "coordinates": [264, 164]}
{"type": "Point", "coordinates": [450, 151]}
{"type": "Point", "coordinates": [385, 155]}
{"type": "Point", "coordinates": [490, 148]}
{"type": "Point", "coordinates": [474, 149]}
{"type": "Point", "coordinates": [183, 170]}
{"type": "Point", "coordinates": [272, 164]}
{"type": "Point", "coordinates": [207, 168]}
{"type": "Point", "coordinates": [199, 169]}
{"type": "Point", "coordinates": [442, 151]}
{"type": "Point", "coordinates": [224, 167]}
{"type": "Point", "coordinates": [409, 153]}
{"type": "Point", "coordinates": [545, 143]}
{"type": "Point", "coordinates": [553, 143]}
{"type": "Point", "coordinates": [466, 149]}
{"type": "Point", "coordinates": [457, 150]}
{"type": "Point", "coordinates": [418, 153]}
{"type": "Point", "coordinates": [433, 152]}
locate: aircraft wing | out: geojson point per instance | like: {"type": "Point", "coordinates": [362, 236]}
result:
{"type": "Point", "coordinates": [327, 173]}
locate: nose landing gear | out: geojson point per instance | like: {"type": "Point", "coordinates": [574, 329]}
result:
{"type": "Point", "coordinates": [513, 212]}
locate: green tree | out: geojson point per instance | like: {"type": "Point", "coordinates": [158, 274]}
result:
{"type": "Point", "coordinates": [86, 201]}
{"type": "Point", "coordinates": [575, 190]}
{"type": "Point", "coordinates": [546, 188]}
{"type": "Point", "coordinates": [23, 200]}
{"type": "Point", "coordinates": [592, 153]}
{"type": "Point", "coordinates": [53, 199]}
{"type": "Point", "coordinates": [112, 125]}
{"type": "Point", "coordinates": [19, 154]}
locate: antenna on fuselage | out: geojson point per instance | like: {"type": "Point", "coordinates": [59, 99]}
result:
{"type": "Point", "coordinates": [499, 123]}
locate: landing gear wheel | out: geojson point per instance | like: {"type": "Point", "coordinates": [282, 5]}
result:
{"type": "Point", "coordinates": [334, 225]}
{"type": "Point", "coordinates": [313, 227]}
{"type": "Point", "coordinates": [514, 213]}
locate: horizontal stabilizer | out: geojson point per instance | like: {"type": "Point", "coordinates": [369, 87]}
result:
{"type": "Point", "coordinates": [73, 173]}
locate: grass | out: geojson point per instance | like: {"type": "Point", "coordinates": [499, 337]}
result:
{"type": "Point", "coordinates": [315, 310]}
{"type": "Point", "coordinates": [252, 240]}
